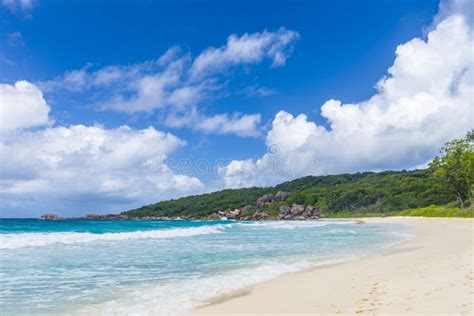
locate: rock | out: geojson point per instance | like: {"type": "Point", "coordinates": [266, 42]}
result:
{"type": "Point", "coordinates": [235, 214]}
{"type": "Point", "coordinates": [214, 217]}
{"type": "Point", "coordinates": [223, 213]}
{"type": "Point", "coordinates": [285, 209]}
{"type": "Point", "coordinates": [309, 210]}
{"type": "Point", "coordinates": [229, 214]}
{"type": "Point", "coordinates": [297, 209]}
{"type": "Point", "coordinates": [263, 200]}
{"type": "Point", "coordinates": [281, 196]}
{"type": "Point", "coordinates": [300, 218]}
{"type": "Point", "coordinates": [248, 208]}
{"type": "Point", "coordinates": [51, 217]}
{"type": "Point", "coordinates": [259, 215]}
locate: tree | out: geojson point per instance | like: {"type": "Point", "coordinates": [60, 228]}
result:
{"type": "Point", "coordinates": [455, 167]}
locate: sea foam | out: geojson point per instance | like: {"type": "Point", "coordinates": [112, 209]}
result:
{"type": "Point", "coordinates": [182, 297]}
{"type": "Point", "coordinates": [22, 240]}
{"type": "Point", "coordinates": [293, 224]}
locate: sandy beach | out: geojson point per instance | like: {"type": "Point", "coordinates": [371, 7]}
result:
{"type": "Point", "coordinates": [429, 274]}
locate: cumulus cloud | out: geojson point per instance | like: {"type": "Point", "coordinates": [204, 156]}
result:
{"type": "Point", "coordinates": [176, 84]}
{"type": "Point", "coordinates": [246, 49]}
{"type": "Point", "coordinates": [425, 99]}
{"type": "Point", "coordinates": [22, 106]}
{"type": "Point", "coordinates": [54, 167]}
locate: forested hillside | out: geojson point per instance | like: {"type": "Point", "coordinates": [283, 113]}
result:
{"type": "Point", "coordinates": [359, 192]}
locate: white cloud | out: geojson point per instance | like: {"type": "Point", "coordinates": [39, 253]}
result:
{"type": "Point", "coordinates": [239, 124]}
{"type": "Point", "coordinates": [244, 125]}
{"type": "Point", "coordinates": [425, 100]}
{"type": "Point", "coordinates": [57, 167]}
{"type": "Point", "coordinates": [246, 49]}
{"type": "Point", "coordinates": [154, 91]}
{"type": "Point", "coordinates": [22, 106]}
{"type": "Point", "coordinates": [177, 85]}
{"type": "Point", "coordinates": [18, 5]}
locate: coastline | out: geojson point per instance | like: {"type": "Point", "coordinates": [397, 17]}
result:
{"type": "Point", "coordinates": [431, 273]}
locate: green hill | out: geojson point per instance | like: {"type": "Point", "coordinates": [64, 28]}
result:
{"type": "Point", "coordinates": [365, 192]}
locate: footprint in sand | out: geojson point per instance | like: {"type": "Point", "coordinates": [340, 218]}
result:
{"type": "Point", "coordinates": [370, 304]}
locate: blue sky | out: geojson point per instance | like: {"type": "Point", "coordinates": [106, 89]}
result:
{"type": "Point", "coordinates": [313, 51]}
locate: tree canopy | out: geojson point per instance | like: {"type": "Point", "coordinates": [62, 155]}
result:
{"type": "Point", "coordinates": [454, 166]}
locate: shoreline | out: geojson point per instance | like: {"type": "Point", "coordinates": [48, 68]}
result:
{"type": "Point", "coordinates": [430, 273]}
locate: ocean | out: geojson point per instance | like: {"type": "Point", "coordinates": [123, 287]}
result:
{"type": "Point", "coordinates": [138, 267]}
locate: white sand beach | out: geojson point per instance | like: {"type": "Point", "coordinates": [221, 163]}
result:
{"type": "Point", "coordinates": [429, 274]}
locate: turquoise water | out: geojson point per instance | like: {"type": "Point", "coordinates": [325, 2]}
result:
{"type": "Point", "coordinates": [162, 267]}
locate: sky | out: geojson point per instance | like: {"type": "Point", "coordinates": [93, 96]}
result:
{"type": "Point", "coordinates": [111, 105]}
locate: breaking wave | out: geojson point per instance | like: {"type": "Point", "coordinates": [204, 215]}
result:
{"type": "Point", "coordinates": [294, 224]}
{"type": "Point", "coordinates": [22, 240]}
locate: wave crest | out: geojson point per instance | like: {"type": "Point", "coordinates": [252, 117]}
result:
{"type": "Point", "coordinates": [294, 224]}
{"type": "Point", "coordinates": [22, 240]}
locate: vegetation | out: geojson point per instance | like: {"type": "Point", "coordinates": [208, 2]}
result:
{"type": "Point", "coordinates": [410, 193]}
{"type": "Point", "coordinates": [430, 211]}
{"type": "Point", "coordinates": [383, 192]}
{"type": "Point", "coordinates": [438, 211]}
{"type": "Point", "coordinates": [201, 205]}
{"type": "Point", "coordinates": [455, 167]}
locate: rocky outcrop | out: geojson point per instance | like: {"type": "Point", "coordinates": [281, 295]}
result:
{"type": "Point", "coordinates": [248, 208]}
{"type": "Point", "coordinates": [51, 217]}
{"type": "Point", "coordinates": [264, 200]}
{"type": "Point", "coordinates": [293, 212]}
{"type": "Point", "coordinates": [214, 217]}
{"type": "Point", "coordinates": [269, 198]}
{"type": "Point", "coordinates": [309, 211]}
{"type": "Point", "coordinates": [297, 209]}
{"type": "Point", "coordinates": [230, 214]}
{"type": "Point", "coordinates": [285, 210]}
{"type": "Point", "coordinates": [260, 215]}
{"type": "Point", "coordinates": [299, 212]}
{"type": "Point", "coordinates": [281, 196]}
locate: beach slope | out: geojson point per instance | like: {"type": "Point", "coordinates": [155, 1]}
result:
{"type": "Point", "coordinates": [430, 274]}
